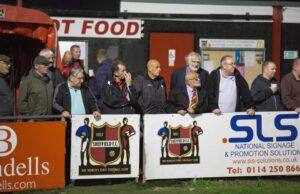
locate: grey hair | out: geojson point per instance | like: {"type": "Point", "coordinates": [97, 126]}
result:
{"type": "Point", "coordinates": [190, 55]}
{"type": "Point", "coordinates": [188, 73]}
{"type": "Point", "coordinates": [74, 72]}
{"type": "Point", "coordinates": [46, 53]}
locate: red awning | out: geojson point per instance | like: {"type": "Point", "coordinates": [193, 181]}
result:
{"type": "Point", "coordinates": [27, 22]}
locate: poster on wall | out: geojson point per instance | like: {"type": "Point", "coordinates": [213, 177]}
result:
{"type": "Point", "coordinates": [227, 145]}
{"type": "Point", "coordinates": [32, 156]}
{"type": "Point", "coordinates": [105, 148]}
{"type": "Point", "coordinates": [248, 55]}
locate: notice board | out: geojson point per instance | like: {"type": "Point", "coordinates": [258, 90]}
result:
{"type": "Point", "coordinates": [248, 54]}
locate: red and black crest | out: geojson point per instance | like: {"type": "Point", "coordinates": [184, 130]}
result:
{"type": "Point", "coordinates": [180, 142]}
{"type": "Point", "coordinates": [105, 145]}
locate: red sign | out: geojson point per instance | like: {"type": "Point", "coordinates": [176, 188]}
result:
{"type": "Point", "coordinates": [98, 28]}
{"type": "Point", "coordinates": [32, 155]}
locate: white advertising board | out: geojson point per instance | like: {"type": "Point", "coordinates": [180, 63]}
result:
{"type": "Point", "coordinates": [105, 148]}
{"type": "Point", "coordinates": [227, 145]}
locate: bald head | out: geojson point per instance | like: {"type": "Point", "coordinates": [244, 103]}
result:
{"type": "Point", "coordinates": [67, 57]}
{"type": "Point", "coordinates": [153, 68]}
{"type": "Point", "coordinates": [296, 68]}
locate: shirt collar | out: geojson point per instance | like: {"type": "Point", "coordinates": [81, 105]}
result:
{"type": "Point", "coordinates": [189, 89]}
{"type": "Point", "coordinates": [71, 88]}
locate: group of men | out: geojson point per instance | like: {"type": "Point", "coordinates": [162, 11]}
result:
{"type": "Point", "coordinates": [45, 90]}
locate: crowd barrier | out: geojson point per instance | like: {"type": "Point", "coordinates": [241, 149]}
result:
{"type": "Point", "coordinates": [174, 146]}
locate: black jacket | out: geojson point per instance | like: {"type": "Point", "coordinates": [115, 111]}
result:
{"type": "Point", "coordinates": [151, 94]}
{"type": "Point", "coordinates": [114, 100]}
{"type": "Point", "coordinates": [62, 99]}
{"type": "Point", "coordinates": [178, 77]}
{"type": "Point", "coordinates": [263, 96]}
{"type": "Point", "coordinates": [244, 99]}
{"type": "Point", "coordinates": [179, 100]}
{"type": "Point", "coordinates": [6, 98]}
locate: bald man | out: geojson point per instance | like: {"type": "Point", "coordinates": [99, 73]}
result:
{"type": "Point", "coordinates": [151, 90]}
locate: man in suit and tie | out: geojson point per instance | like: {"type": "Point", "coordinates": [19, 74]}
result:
{"type": "Point", "coordinates": [192, 98]}
{"type": "Point", "coordinates": [193, 61]}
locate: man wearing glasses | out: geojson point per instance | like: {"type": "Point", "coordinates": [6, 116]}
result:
{"type": "Point", "coordinates": [36, 90]}
{"type": "Point", "coordinates": [190, 99]}
{"type": "Point", "coordinates": [228, 91]}
{"type": "Point", "coordinates": [74, 96]}
{"type": "Point", "coordinates": [6, 97]}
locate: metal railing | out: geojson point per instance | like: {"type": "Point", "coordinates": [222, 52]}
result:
{"type": "Point", "coordinates": [37, 117]}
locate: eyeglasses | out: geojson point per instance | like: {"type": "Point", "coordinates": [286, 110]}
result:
{"type": "Point", "coordinates": [5, 63]}
{"type": "Point", "coordinates": [231, 64]}
{"type": "Point", "coordinates": [44, 64]}
{"type": "Point", "coordinates": [80, 78]}
{"type": "Point", "coordinates": [196, 79]}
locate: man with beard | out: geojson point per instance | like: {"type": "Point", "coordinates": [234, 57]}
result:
{"type": "Point", "coordinates": [119, 94]}
{"type": "Point", "coordinates": [191, 98]}
{"type": "Point", "coordinates": [193, 61]}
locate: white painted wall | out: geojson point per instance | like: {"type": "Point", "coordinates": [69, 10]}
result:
{"type": "Point", "coordinates": [290, 14]}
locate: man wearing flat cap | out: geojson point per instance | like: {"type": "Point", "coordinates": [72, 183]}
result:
{"type": "Point", "coordinates": [6, 97]}
{"type": "Point", "coordinates": [36, 90]}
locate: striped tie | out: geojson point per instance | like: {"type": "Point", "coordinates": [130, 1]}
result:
{"type": "Point", "coordinates": [194, 98]}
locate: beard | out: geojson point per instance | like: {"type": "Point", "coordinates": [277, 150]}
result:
{"type": "Point", "coordinates": [193, 68]}
{"type": "Point", "coordinates": [197, 84]}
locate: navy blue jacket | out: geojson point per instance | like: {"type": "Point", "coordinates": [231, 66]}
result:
{"type": "Point", "coordinates": [103, 74]}
{"type": "Point", "coordinates": [263, 96]}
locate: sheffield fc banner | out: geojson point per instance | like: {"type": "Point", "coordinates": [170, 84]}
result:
{"type": "Point", "coordinates": [227, 145]}
{"type": "Point", "coordinates": [105, 148]}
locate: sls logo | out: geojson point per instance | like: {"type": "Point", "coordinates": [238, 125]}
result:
{"type": "Point", "coordinates": [8, 140]}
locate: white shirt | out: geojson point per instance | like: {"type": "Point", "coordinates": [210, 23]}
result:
{"type": "Point", "coordinates": [227, 93]}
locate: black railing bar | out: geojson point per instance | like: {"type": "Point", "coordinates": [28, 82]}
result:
{"type": "Point", "coordinates": [31, 117]}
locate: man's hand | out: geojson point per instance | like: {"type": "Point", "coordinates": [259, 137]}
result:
{"type": "Point", "coordinates": [181, 112]}
{"type": "Point", "coordinates": [250, 111]}
{"type": "Point", "coordinates": [127, 97]}
{"type": "Point", "coordinates": [217, 111]}
{"type": "Point", "coordinates": [274, 89]}
{"type": "Point", "coordinates": [190, 110]}
{"type": "Point", "coordinates": [66, 114]}
{"type": "Point", "coordinates": [298, 110]}
{"type": "Point", "coordinates": [128, 78]}
{"type": "Point", "coordinates": [97, 115]}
